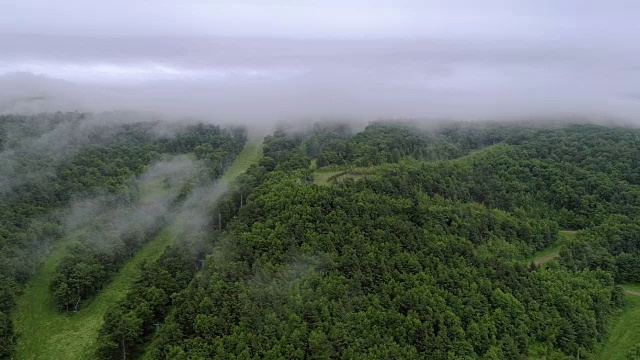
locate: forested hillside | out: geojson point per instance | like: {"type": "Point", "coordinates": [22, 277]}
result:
{"type": "Point", "coordinates": [130, 324]}
{"type": "Point", "coordinates": [420, 250]}
{"type": "Point", "coordinates": [394, 242]}
{"type": "Point", "coordinates": [51, 161]}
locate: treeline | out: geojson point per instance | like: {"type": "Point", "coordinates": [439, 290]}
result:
{"type": "Point", "coordinates": [389, 142]}
{"type": "Point", "coordinates": [424, 260]}
{"type": "Point", "coordinates": [282, 152]}
{"type": "Point", "coordinates": [49, 159]}
{"type": "Point", "coordinates": [129, 324]}
{"type": "Point", "coordinates": [612, 246]}
{"type": "Point", "coordinates": [217, 146]}
{"type": "Point", "coordinates": [89, 265]}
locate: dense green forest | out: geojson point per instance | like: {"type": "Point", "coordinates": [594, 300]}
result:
{"type": "Point", "coordinates": [415, 244]}
{"type": "Point", "coordinates": [53, 160]}
{"type": "Point", "coordinates": [423, 255]}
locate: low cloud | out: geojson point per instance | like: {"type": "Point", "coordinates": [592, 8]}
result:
{"type": "Point", "coordinates": [105, 220]}
{"type": "Point", "coordinates": [260, 63]}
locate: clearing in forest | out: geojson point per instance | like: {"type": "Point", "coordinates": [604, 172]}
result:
{"type": "Point", "coordinates": [552, 251]}
{"type": "Point", "coordinates": [330, 176]}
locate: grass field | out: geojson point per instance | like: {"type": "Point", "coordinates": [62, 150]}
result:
{"type": "Point", "coordinates": [45, 333]}
{"type": "Point", "coordinates": [250, 154]}
{"type": "Point", "coordinates": [322, 178]}
{"type": "Point", "coordinates": [553, 251]}
{"type": "Point", "coordinates": [632, 288]}
{"type": "Point", "coordinates": [332, 174]}
{"type": "Point", "coordinates": [624, 330]}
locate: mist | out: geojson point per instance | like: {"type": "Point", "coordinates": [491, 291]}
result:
{"type": "Point", "coordinates": [103, 221]}
{"type": "Point", "coordinates": [51, 138]}
{"type": "Point", "coordinates": [258, 63]}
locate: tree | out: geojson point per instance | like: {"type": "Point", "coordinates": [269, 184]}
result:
{"type": "Point", "coordinates": [7, 337]}
{"type": "Point", "coordinates": [124, 331]}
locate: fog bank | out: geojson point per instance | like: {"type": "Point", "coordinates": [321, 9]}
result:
{"type": "Point", "coordinates": [258, 63]}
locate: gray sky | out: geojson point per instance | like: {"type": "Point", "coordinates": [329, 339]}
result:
{"type": "Point", "coordinates": [258, 59]}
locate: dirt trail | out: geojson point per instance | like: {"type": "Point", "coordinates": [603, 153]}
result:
{"type": "Point", "coordinates": [546, 258]}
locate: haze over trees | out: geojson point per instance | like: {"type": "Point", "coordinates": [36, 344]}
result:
{"type": "Point", "coordinates": [336, 179]}
{"type": "Point", "coordinates": [52, 160]}
{"type": "Point", "coordinates": [391, 242]}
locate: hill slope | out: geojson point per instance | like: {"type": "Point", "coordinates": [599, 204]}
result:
{"type": "Point", "coordinates": [46, 333]}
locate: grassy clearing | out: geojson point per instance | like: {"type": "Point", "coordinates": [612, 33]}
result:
{"type": "Point", "coordinates": [322, 178]}
{"type": "Point", "coordinates": [624, 330]}
{"type": "Point", "coordinates": [632, 289]}
{"type": "Point", "coordinates": [45, 333]}
{"type": "Point", "coordinates": [553, 251]}
{"type": "Point", "coordinates": [546, 255]}
{"type": "Point", "coordinates": [343, 177]}
{"type": "Point", "coordinates": [250, 154]}
{"type": "Point", "coordinates": [332, 174]}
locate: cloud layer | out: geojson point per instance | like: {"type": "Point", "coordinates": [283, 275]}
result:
{"type": "Point", "coordinates": [254, 62]}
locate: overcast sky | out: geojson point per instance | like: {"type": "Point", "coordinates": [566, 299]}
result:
{"type": "Point", "coordinates": [246, 59]}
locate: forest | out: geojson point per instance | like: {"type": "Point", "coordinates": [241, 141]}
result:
{"type": "Point", "coordinates": [423, 255]}
{"type": "Point", "coordinates": [393, 241]}
{"type": "Point", "coordinates": [51, 161]}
